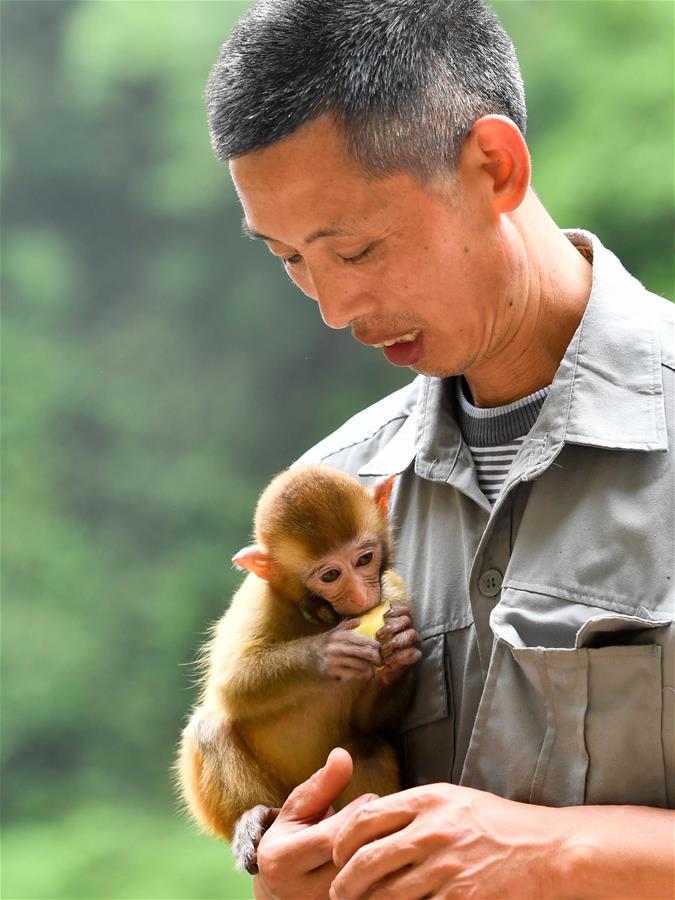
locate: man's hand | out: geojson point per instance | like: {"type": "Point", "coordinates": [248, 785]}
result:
{"type": "Point", "coordinates": [446, 841]}
{"type": "Point", "coordinates": [442, 840]}
{"type": "Point", "coordinates": [295, 856]}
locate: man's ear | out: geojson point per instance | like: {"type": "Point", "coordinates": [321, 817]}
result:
{"type": "Point", "coordinates": [256, 559]}
{"type": "Point", "coordinates": [381, 494]}
{"type": "Point", "coordinates": [496, 148]}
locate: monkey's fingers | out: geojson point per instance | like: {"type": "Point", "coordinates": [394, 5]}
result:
{"type": "Point", "coordinates": [348, 668]}
{"type": "Point", "coordinates": [401, 641]}
{"type": "Point", "coordinates": [353, 644]}
{"type": "Point", "coordinates": [395, 622]}
{"type": "Point", "coordinates": [348, 624]}
{"type": "Point", "coordinates": [397, 610]}
{"type": "Point", "coordinates": [398, 663]}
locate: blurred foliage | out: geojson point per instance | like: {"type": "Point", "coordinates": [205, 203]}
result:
{"type": "Point", "coordinates": [157, 369]}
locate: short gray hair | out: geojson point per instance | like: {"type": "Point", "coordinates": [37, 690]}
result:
{"type": "Point", "coordinates": [405, 80]}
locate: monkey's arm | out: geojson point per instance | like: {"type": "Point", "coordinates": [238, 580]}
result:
{"type": "Point", "coordinates": [265, 657]}
{"type": "Point", "coordinates": [381, 705]}
{"type": "Point", "coordinates": [261, 680]}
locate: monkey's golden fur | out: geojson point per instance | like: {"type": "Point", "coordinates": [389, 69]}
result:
{"type": "Point", "coordinates": [268, 716]}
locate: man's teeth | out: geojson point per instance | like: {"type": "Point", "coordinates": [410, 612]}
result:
{"type": "Point", "coordinates": [404, 339]}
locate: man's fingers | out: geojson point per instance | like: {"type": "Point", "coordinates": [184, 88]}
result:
{"type": "Point", "coordinates": [382, 860]}
{"type": "Point", "coordinates": [351, 807]}
{"type": "Point", "coordinates": [369, 823]}
{"type": "Point", "coordinates": [408, 881]}
{"type": "Point", "coordinates": [313, 846]}
{"type": "Point", "coordinates": [330, 826]}
{"type": "Point", "coordinates": [308, 802]}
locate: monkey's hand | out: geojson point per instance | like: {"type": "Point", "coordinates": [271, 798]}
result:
{"type": "Point", "coordinates": [248, 829]}
{"type": "Point", "coordinates": [400, 643]}
{"type": "Point", "coordinates": [347, 654]}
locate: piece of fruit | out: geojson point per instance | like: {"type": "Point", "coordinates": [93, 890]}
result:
{"type": "Point", "coordinates": [371, 622]}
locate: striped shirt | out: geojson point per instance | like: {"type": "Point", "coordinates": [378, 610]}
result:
{"type": "Point", "coordinates": [494, 434]}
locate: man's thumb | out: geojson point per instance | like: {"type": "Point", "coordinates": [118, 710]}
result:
{"type": "Point", "coordinates": [309, 801]}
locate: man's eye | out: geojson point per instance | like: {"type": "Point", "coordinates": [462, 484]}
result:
{"type": "Point", "coordinates": [359, 256]}
{"type": "Point", "coordinates": [365, 559]}
{"type": "Point", "coordinates": [291, 260]}
{"type": "Point", "coordinates": [330, 575]}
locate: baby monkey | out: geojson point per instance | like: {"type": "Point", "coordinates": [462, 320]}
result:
{"type": "Point", "coordinates": [288, 678]}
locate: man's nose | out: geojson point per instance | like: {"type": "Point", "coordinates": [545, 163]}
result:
{"type": "Point", "coordinates": [340, 300]}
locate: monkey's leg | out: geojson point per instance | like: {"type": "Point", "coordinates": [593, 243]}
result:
{"type": "Point", "coordinates": [221, 781]}
{"type": "Point", "coordinates": [376, 769]}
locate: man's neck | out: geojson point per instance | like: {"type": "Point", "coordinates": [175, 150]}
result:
{"type": "Point", "coordinates": [551, 287]}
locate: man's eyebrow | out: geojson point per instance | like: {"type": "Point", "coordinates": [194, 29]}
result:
{"type": "Point", "coordinates": [334, 231]}
{"type": "Point", "coordinates": [254, 235]}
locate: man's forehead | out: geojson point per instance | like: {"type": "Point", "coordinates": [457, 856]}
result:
{"type": "Point", "coordinates": [306, 187]}
{"type": "Point", "coordinates": [332, 230]}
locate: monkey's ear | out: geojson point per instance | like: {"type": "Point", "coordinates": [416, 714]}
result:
{"type": "Point", "coordinates": [254, 558]}
{"type": "Point", "coordinates": [381, 494]}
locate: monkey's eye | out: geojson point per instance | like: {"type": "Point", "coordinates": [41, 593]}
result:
{"type": "Point", "coordinates": [330, 575]}
{"type": "Point", "coordinates": [365, 559]}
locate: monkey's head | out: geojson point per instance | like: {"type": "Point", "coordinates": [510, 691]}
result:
{"type": "Point", "coordinates": [319, 533]}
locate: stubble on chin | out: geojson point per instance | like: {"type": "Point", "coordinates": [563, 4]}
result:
{"type": "Point", "coordinates": [433, 371]}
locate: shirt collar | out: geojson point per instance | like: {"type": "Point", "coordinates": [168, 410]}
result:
{"type": "Point", "coordinates": [607, 392]}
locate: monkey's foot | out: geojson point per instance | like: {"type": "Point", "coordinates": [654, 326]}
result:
{"type": "Point", "coordinates": [248, 830]}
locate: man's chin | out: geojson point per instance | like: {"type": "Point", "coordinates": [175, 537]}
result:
{"type": "Point", "coordinates": [432, 371]}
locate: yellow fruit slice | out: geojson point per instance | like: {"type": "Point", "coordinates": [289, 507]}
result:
{"type": "Point", "coordinates": [371, 622]}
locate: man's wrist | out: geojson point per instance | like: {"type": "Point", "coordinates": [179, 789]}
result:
{"type": "Point", "coordinates": [613, 851]}
{"type": "Point", "coordinates": [574, 855]}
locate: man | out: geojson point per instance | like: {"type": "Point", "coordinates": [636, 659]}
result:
{"type": "Point", "coordinates": [377, 147]}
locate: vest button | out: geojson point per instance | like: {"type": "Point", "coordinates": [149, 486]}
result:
{"type": "Point", "coordinates": [490, 582]}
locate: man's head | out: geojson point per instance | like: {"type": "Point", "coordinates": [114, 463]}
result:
{"type": "Point", "coordinates": [377, 148]}
{"type": "Point", "coordinates": [404, 80]}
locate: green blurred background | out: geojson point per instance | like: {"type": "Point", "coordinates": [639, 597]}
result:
{"type": "Point", "coordinates": [158, 369]}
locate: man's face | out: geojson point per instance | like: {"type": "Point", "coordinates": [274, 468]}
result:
{"type": "Point", "coordinates": [389, 257]}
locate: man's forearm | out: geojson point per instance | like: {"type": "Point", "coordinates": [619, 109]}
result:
{"type": "Point", "coordinates": [616, 852]}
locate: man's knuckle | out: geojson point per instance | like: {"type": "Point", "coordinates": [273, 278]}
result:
{"type": "Point", "coordinates": [266, 858]}
{"type": "Point", "coordinates": [365, 857]}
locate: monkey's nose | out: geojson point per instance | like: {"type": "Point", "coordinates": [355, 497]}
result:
{"type": "Point", "coordinates": [360, 596]}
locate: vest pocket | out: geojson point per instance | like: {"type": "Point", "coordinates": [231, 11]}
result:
{"type": "Point", "coordinates": [574, 724]}
{"type": "Point", "coordinates": [624, 718]}
{"type": "Point", "coordinates": [623, 726]}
